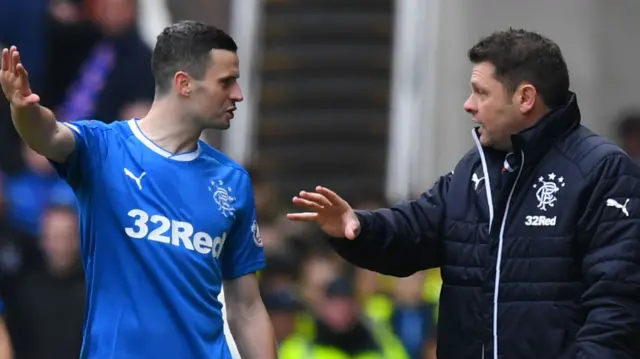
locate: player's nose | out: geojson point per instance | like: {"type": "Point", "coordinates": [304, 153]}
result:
{"type": "Point", "coordinates": [236, 94]}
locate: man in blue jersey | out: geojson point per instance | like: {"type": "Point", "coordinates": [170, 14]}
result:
{"type": "Point", "coordinates": [165, 219]}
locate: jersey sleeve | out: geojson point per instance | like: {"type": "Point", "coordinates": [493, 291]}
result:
{"type": "Point", "coordinates": [243, 252]}
{"type": "Point", "coordinates": [90, 145]}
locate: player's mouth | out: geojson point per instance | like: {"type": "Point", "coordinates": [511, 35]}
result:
{"type": "Point", "coordinates": [231, 112]}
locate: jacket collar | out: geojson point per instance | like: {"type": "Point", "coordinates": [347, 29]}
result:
{"type": "Point", "coordinates": [556, 124]}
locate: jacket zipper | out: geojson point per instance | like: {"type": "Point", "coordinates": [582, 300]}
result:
{"type": "Point", "coordinates": [496, 290]}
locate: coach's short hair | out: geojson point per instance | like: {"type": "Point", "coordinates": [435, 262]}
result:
{"type": "Point", "coordinates": [186, 46]}
{"type": "Point", "coordinates": [524, 56]}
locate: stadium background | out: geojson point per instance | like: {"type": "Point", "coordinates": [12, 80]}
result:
{"type": "Point", "coordinates": [364, 97]}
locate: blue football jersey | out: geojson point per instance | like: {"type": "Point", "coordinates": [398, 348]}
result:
{"type": "Point", "coordinates": [160, 232]}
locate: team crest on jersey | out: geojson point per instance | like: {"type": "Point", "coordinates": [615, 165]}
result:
{"type": "Point", "coordinates": [223, 198]}
{"type": "Point", "coordinates": [256, 234]}
{"type": "Point", "coordinates": [546, 190]}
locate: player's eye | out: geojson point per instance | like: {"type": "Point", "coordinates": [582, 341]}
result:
{"type": "Point", "coordinates": [228, 82]}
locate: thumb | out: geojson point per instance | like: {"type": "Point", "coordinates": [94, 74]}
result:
{"type": "Point", "coordinates": [25, 100]}
{"type": "Point", "coordinates": [33, 98]}
{"type": "Point", "coordinates": [351, 229]}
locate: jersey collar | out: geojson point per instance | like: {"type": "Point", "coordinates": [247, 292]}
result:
{"type": "Point", "coordinates": [183, 157]}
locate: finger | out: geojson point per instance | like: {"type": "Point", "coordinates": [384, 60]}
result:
{"type": "Point", "coordinates": [307, 205]}
{"type": "Point", "coordinates": [330, 195]}
{"type": "Point", "coordinates": [15, 60]}
{"type": "Point", "coordinates": [315, 197]}
{"type": "Point", "coordinates": [5, 59]}
{"type": "Point", "coordinates": [306, 216]}
{"type": "Point", "coordinates": [12, 50]}
{"type": "Point", "coordinates": [22, 73]}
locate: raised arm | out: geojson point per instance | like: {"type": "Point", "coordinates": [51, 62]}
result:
{"type": "Point", "coordinates": [397, 241]}
{"type": "Point", "coordinates": [36, 124]}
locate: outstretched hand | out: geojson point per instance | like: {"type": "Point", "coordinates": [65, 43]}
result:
{"type": "Point", "coordinates": [15, 79]}
{"type": "Point", "coordinates": [332, 213]}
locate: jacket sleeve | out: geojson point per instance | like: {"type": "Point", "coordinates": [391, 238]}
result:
{"type": "Point", "coordinates": [400, 240]}
{"type": "Point", "coordinates": [610, 229]}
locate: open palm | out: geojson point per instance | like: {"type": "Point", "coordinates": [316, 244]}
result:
{"type": "Point", "coordinates": [15, 79]}
{"type": "Point", "coordinates": [332, 213]}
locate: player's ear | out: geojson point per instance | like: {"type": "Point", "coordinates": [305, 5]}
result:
{"type": "Point", "coordinates": [182, 83]}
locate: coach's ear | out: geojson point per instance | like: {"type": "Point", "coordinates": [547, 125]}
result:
{"type": "Point", "coordinates": [525, 97]}
{"type": "Point", "coordinates": [182, 83]}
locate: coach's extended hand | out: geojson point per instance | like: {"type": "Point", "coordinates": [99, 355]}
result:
{"type": "Point", "coordinates": [15, 80]}
{"type": "Point", "coordinates": [332, 213]}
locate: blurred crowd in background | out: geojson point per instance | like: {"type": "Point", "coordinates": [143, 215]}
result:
{"type": "Point", "coordinates": [88, 59]}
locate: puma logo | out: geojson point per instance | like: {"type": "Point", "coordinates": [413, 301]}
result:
{"type": "Point", "coordinates": [137, 179]}
{"type": "Point", "coordinates": [616, 204]}
{"type": "Point", "coordinates": [476, 180]}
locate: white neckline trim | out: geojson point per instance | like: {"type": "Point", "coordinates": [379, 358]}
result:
{"type": "Point", "coordinates": [182, 157]}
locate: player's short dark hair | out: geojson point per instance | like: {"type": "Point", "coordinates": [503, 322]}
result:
{"type": "Point", "coordinates": [186, 46]}
{"type": "Point", "coordinates": [524, 56]}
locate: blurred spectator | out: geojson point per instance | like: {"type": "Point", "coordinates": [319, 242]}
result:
{"type": "Point", "coordinates": [266, 196]}
{"type": "Point", "coordinates": [368, 283]}
{"type": "Point", "coordinates": [342, 331]}
{"type": "Point", "coordinates": [66, 11]}
{"type": "Point", "coordinates": [283, 307]}
{"type": "Point", "coordinates": [280, 274]}
{"type": "Point", "coordinates": [317, 270]}
{"type": "Point", "coordinates": [629, 134]}
{"type": "Point", "coordinates": [106, 73]}
{"type": "Point", "coordinates": [272, 239]}
{"type": "Point", "coordinates": [17, 250]}
{"type": "Point", "coordinates": [375, 293]}
{"type": "Point", "coordinates": [29, 191]}
{"type": "Point", "coordinates": [6, 351]}
{"type": "Point", "coordinates": [283, 235]}
{"type": "Point", "coordinates": [46, 313]}
{"type": "Point", "coordinates": [412, 318]}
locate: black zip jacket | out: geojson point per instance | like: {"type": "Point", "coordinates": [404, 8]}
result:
{"type": "Point", "coordinates": [541, 263]}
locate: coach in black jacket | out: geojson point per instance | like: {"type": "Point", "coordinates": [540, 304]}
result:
{"type": "Point", "coordinates": [536, 231]}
